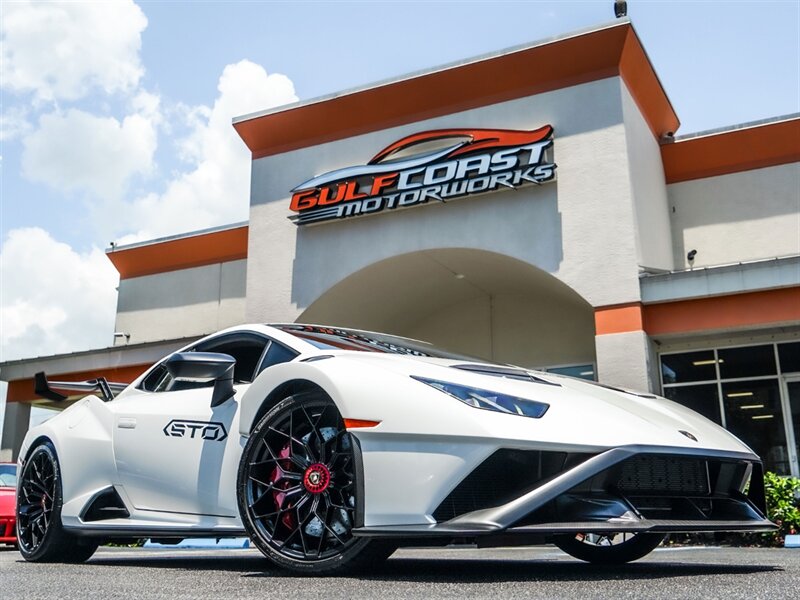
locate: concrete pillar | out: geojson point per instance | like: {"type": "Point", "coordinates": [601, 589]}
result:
{"type": "Point", "coordinates": [15, 426]}
{"type": "Point", "coordinates": [626, 360]}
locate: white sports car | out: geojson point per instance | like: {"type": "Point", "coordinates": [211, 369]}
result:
{"type": "Point", "coordinates": [332, 447]}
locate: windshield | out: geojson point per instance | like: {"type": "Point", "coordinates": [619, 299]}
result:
{"type": "Point", "coordinates": [8, 475]}
{"type": "Point", "coordinates": [334, 338]}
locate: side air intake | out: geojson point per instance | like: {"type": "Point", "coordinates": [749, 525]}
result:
{"type": "Point", "coordinates": [106, 504]}
{"type": "Point", "coordinates": [502, 477]}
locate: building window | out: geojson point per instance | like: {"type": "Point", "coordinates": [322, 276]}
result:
{"type": "Point", "coordinates": [743, 388]}
{"type": "Point", "coordinates": [579, 371]}
{"type": "Point", "coordinates": [789, 357]}
{"type": "Point", "coordinates": [689, 366]}
{"type": "Point", "coordinates": [753, 414]}
{"type": "Point", "coordinates": [749, 361]}
{"type": "Point", "coordinates": [702, 398]}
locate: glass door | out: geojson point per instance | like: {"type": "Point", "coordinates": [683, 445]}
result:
{"type": "Point", "coordinates": [792, 412]}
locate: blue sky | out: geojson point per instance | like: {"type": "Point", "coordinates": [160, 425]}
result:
{"type": "Point", "coordinates": [116, 116]}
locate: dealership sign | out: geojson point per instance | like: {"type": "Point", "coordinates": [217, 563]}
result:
{"type": "Point", "coordinates": [439, 166]}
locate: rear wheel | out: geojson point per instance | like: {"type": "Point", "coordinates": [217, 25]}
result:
{"type": "Point", "coordinates": [297, 489]}
{"type": "Point", "coordinates": [611, 548]}
{"type": "Point", "coordinates": [40, 535]}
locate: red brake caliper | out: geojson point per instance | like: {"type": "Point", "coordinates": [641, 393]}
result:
{"type": "Point", "coordinates": [280, 483]}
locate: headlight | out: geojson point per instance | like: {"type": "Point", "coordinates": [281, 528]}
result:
{"type": "Point", "coordinates": [486, 400]}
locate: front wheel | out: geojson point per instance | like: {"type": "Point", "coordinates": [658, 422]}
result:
{"type": "Point", "coordinates": [297, 491]}
{"type": "Point", "coordinates": [609, 549]}
{"type": "Point", "coordinates": [40, 535]}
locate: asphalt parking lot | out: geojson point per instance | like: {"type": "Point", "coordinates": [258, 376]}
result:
{"type": "Point", "coordinates": [541, 572]}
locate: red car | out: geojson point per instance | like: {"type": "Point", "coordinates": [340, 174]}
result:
{"type": "Point", "coordinates": [8, 502]}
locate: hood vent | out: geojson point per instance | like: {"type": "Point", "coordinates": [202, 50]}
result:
{"type": "Point", "coordinates": [507, 372]}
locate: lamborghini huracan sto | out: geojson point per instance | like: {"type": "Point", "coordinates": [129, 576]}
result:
{"type": "Point", "coordinates": [332, 447]}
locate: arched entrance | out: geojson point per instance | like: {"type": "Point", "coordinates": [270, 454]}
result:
{"type": "Point", "coordinates": [472, 301]}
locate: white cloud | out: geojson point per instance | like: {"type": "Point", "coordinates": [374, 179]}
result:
{"type": "Point", "coordinates": [14, 123]}
{"type": "Point", "coordinates": [63, 50]}
{"type": "Point", "coordinates": [217, 189]}
{"type": "Point", "coordinates": [52, 298]}
{"type": "Point", "coordinates": [77, 150]}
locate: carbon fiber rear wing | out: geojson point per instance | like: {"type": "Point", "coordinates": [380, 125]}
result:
{"type": "Point", "coordinates": [46, 389]}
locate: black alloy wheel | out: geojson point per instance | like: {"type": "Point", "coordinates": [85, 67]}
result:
{"type": "Point", "coordinates": [297, 489]}
{"type": "Point", "coordinates": [609, 548]}
{"type": "Point", "coordinates": [35, 501]}
{"type": "Point", "coordinates": [40, 535]}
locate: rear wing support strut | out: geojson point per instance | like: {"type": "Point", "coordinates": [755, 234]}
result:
{"type": "Point", "coordinates": [46, 389]}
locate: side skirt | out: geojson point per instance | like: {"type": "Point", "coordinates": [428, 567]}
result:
{"type": "Point", "coordinates": [163, 533]}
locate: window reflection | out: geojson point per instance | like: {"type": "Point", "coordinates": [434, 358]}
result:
{"type": "Point", "coordinates": [753, 414]}
{"type": "Point", "coordinates": [790, 357]}
{"type": "Point", "coordinates": [749, 361]}
{"type": "Point", "coordinates": [580, 371]}
{"type": "Point", "coordinates": [703, 399]}
{"type": "Point", "coordinates": [751, 386]}
{"type": "Point", "coordinates": [688, 366]}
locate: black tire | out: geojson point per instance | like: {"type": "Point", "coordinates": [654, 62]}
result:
{"type": "Point", "coordinates": [296, 490]}
{"type": "Point", "coordinates": [40, 534]}
{"type": "Point", "coordinates": [633, 548]}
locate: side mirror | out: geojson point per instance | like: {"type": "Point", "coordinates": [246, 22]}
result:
{"type": "Point", "coordinates": [205, 366]}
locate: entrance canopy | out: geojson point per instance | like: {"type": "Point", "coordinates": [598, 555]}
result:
{"type": "Point", "coordinates": [471, 301]}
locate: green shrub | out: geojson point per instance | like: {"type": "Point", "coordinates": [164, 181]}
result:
{"type": "Point", "coordinates": [783, 506]}
{"type": "Point", "coordinates": [783, 509]}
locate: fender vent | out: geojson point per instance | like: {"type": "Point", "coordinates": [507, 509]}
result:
{"type": "Point", "coordinates": [503, 476]}
{"type": "Point", "coordinates": [106, 504]}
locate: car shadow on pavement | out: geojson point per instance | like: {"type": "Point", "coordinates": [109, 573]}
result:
{"type": "Point", "coordinates": [451, 570]}
{"type": "Point", "coordinates": [229, 563]}
{"type": "Point", "coordinates": [482, 571]}
{"type": "Point", "coordinates": [473, 571]}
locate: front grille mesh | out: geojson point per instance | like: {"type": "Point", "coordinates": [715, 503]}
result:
{"type": "Point", "coordinates": [648, 474]}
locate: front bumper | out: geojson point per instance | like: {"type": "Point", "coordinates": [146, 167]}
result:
{"type": "Point", "coordinates": [624, 489]}
{"type": "Point", "coordinates": [8, 530]}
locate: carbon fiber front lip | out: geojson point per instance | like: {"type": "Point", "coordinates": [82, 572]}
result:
{"type": "Point", "coordinates": [640, 526]}
{"type": "Point", "coordinates": [503, 518]}
{"type": "Point", "coordinates": [506, 515]}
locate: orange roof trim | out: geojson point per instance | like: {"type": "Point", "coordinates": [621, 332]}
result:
{"type": "Point", "coordinates": [618, 319]}
{"type": "Point", "coordinates": [613, 50]}
{"type": "Point", "coordinates": [182, 253]}
{"type": "Point", "coordinates": [733, 151]}
{"type": "Point", "coordinates": [768, 307]}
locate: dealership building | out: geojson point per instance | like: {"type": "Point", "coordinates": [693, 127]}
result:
{"type": "Point", "coordinates": [533, 206]}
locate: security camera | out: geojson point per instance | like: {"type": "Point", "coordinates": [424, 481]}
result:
{"type": "Point", "coordinates": [690, 256]}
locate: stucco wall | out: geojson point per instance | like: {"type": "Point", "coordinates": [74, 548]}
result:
{"type": "Point", "coordinates": [510, 329]}
{"type": "Point", "coordinates": [579, 228]}
{"type": "Point", "coordinates": [627, 360]}
{"type": "Point", "coordinates": [737, 217]}
{"type": "Point", "coordinates": [182, 303]}
{"type": "Point", "coordinates": [648, 187]}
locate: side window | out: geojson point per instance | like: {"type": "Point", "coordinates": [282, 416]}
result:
{"type": "Point", "coordinates": [247, 348]}
{"type": "Point", "coordinates": [276, 354]}
{"type": "Point", "coordinates": [158, 380]}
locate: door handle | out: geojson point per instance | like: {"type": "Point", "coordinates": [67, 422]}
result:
{"type": "Point", "coordinates": [126, 423]}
